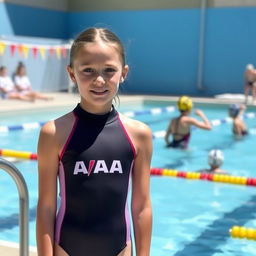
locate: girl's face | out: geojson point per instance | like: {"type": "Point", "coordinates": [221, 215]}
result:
{"type": "Point", "coordinates": [22, 71]}
{"type": "Point", "coordinates": [97, 70]}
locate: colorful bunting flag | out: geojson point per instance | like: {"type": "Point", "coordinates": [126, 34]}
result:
{"type": "Point", "coordinates": [2, 48]}
{"type": "Point", "coordinates": [12, 49]}
{"type": "Point", "coordinates": [42, 52]}
{"type": "Point", "coordinates": [59, 51]}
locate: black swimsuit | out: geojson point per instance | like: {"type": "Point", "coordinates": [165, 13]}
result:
{"type": "Point", "coordinates": [94, 174]}
{"type": "Point", "coordinates": [180, 143]}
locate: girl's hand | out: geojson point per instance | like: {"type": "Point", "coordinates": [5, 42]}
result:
{"type": "Point", "coordinates": [199, 112]}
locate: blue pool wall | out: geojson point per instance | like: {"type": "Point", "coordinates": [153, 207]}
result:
{"type": "Point", "coordinates": [161, 45]}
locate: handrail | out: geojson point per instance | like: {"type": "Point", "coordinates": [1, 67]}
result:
{"type": "Point", "coordinates": [23, 202]}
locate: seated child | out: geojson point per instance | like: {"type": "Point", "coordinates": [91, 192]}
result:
{"type": "Point", "coordinates": [7, 89]}
{"type": "Point", "coordinates": [23, 84]}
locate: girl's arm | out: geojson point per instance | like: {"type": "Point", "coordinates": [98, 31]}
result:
{"type": "Point", "coordinates": [46, 208]}
{"type": "Point", "coordinates": [141, 203]}
{"type": "Point", "coordinates": [204, 124]}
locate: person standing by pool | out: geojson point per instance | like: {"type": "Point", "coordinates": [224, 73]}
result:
{"type": "Point", "coordinates": [179, 127]}
{"type": "Point", "coordinates": [95, 151]}
{"type": "Point", "coordinates": [239, 128]}
{"type": "Point", "coordinates": [250, 83]}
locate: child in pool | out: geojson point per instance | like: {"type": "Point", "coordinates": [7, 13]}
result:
{"type": "Point", "coordinates": [239, 128]}
{"type": "Point", "coordinates": [180, 126]}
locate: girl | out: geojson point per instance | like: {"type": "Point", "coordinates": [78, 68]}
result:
{"type": "Point", "coordinates": [179, 127]}
{"type": "Point", "coordinates": [7, 89]}
{"type": "Point", "coordinates": [95, 151]}
{"type": "Point", "coordinates": [23, 85]}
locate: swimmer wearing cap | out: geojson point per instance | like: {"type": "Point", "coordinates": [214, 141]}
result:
{"type": "Point", "coordinates": [235, 112]}
{"type": "Point", "coordinates": [180, 126]}
{"type": "Point", "coordinates": [215, 160]}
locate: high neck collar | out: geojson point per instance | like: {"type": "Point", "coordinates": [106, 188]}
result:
{"type": "Point", "coordinates": [95, 118]}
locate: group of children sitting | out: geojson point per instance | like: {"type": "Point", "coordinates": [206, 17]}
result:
{"type": "Point", "coordinates": [20, 87]}
{"type": "Point", "coordinates": [180, 129]}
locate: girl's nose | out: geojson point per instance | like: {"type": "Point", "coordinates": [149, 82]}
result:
{"type": "Point", "coordinates": [99, 80]}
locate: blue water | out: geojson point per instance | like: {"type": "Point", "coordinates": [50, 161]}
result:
{"type": "Point", "coordinates": [191, 217]}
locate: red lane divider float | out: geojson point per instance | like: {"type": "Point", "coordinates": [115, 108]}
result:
{"type": "Point", "coordinates": [223, 178]}
{"type": "Point", "coordinates": [18, 154]}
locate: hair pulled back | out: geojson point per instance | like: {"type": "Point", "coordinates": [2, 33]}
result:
{"type": "Point", "coordinates": [92, 35]}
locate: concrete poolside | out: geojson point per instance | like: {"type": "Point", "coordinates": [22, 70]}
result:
{"type": "Point", "coordinates": [68, 99]}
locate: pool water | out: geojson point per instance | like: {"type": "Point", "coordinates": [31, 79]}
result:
{"type": "Point", "coordinates": [190, 217]}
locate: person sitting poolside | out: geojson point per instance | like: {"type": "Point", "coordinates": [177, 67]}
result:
{"type": "Point", "coordinates": [239, 128]}
{"type": "Point", "coordinates": [7, 88]}
{"type": "Point", "coordinates": [215, 160]}
{"type": "Point", "coordinates": [180, 126]}
{"type": "Point", "coordinates": [23, 85]}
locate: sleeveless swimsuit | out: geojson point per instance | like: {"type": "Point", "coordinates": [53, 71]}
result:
{"type": "Point", "coordinates": [180, 143]}
{"type": "Point", "coordinates": [94, 174]}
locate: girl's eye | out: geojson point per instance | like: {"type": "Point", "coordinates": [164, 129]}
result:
{"type": "Point", "coordinates": [109, 70]}
{"type": "Point", "coordinates": [88, 70]}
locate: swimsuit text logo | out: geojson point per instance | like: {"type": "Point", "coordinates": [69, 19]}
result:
{"type": "Point", "coordinates": [100, 166]}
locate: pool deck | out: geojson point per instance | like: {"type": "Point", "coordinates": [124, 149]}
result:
{"type": "Point", "coordinates": [70, 99]}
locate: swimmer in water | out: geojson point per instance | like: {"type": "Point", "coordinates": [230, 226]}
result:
{"type": "Point", "coordinates": [179, 127]}
{"type": "Point", "coordinates": [239, 128]}
{"type": "Point", "coordinates": [215, 160]}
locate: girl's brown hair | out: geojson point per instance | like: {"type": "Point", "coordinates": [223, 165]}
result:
{"type": "Point", "coordinates": [92, 35]}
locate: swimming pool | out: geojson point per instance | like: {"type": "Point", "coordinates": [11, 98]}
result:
{"type": "Point", "coordinates": [191, 217]}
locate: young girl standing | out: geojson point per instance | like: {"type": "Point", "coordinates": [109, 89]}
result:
{"type": "Point", "coordinates": [96, 152]}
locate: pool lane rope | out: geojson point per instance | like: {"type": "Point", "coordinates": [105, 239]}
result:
{"type": "Point", "coordinates": [35, 125]}
{"type": "Point", "coordinates": [152, 111]}
{"type": "Point", "coordinates": [223, 178]}
{"type": "Point", "coordinates": [213, 177]}
{"type": "Point", "coordinates": [243, 233]}
{"type": "Point", "coordinates": [18, 154]}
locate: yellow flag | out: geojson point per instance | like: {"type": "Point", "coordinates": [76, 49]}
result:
{"type": "Point", "coordinates": [2, 48]}
{"type": "Point", "coordinates": [58, 52]}
{"type": "Point", "coordinates": [42, 52]}
{"type": "Point", "coordinates": [25, 50]}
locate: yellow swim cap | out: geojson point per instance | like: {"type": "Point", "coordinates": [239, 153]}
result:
{"type": "Point", "coordinates": [184, 103]}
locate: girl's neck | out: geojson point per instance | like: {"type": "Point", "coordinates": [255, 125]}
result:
{"type": "Point", "coordinates": [100, 110]}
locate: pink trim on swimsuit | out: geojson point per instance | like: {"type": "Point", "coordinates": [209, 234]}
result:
{"type": "Point", "coordinates": [128, 137]}
{"type": "Point", "coordinates": [69, 137]}
{"type": "Point", "coordinates": [62, 209]}
{"type": "Point", "coordinates": [127, 215]}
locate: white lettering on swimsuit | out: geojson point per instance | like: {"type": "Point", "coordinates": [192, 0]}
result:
{"type": "Point", "coordinates": [100, 166]}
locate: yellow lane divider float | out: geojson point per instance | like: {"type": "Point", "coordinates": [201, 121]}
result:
{"type": "Point", "coordinates": [243, 233]}
{"type": "Point", "coordinates": [224, 178]}
{"type": "Point", "coordinates": [18, 154]}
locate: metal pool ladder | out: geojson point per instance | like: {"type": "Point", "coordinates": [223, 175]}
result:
{"type": "Point", "coordinates": [24, 204]}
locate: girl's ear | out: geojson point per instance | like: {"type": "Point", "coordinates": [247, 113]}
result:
{"type": "Point", "coordinates": [124, 73]}
{"type": "Point", "coordinates": [71, 74]}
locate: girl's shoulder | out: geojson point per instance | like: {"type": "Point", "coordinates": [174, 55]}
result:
{"type": "Point", "coordinates": [56, 126]}
{"type": "Point", "coordinates": [136, 127]}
